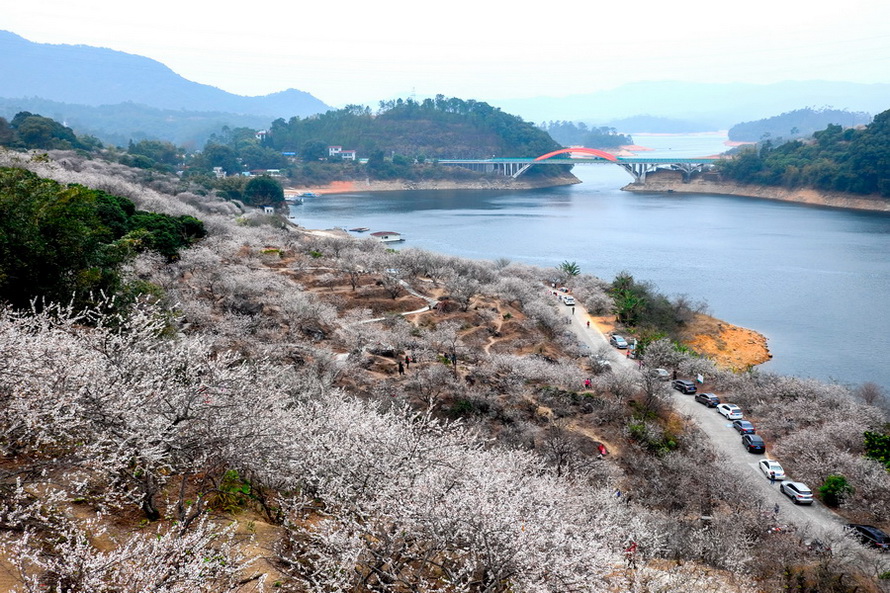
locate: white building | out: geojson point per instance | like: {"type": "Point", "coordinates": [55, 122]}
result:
{"type": "Point", "coordinates": [346, 155]}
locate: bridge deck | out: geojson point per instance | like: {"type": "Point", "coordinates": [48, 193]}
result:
{"type": "Point", "coordinates": [584, 161]}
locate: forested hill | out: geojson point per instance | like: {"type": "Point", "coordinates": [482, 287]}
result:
{"type": "Point", "coordinates": [837, 159]}
{"type": "Point", "coordinates": [570, 133]}
{"type": "Point", "coordinates": [435, 128]}
{"type": "Point", "coordinates": [796, 124]}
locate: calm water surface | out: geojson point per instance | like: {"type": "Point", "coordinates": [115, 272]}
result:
{"type": "Point", "coordinates": [815, 281]}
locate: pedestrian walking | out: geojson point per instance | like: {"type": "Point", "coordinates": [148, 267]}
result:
{"type": "Point", "coordinates": [602, 450]}
{"type": "Point", "coordinates": [407, 362]}
{"type": "Point", "coordinates": [401, 368]}
{"type": "Point", "coordinates": [772, 477]}
{"type": "Point", "coordinates": [588, 325]}
{"type": "Point", "coordinates": [573, 310]}
{"type": "Point", "coordinates": [587, 383]}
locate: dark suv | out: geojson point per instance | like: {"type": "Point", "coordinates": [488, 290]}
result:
{"type": "Point", "coordinates": [871, 536]}
{"type": "Point", "coordinates": [753, 443]}
{"type": "Point", "coordinates": [708, 399]}
{"type": "Point", "coordinates": [743, 426]}
{"type": "Point", "coordinates": [683, 386]}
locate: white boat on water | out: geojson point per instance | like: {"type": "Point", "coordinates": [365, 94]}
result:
{"type": "Point", "coordinates": [388, 236]}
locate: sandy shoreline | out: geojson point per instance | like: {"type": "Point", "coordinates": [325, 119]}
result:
{"type": "Point", "coordinates": [729, 346]}
{"type": "Point", "coordinates": [365, 186]}
{"type": "Point", "coordinates": [672, 181]}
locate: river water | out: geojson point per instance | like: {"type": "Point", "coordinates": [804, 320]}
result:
{"type": "Point", "coordinates": [815, 281]}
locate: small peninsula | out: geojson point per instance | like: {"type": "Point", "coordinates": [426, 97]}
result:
{"type": "Point", "coordinates": [672, 182]}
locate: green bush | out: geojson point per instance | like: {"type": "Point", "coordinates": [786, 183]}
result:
{"type": "Point", "coordinates": [834, 490]}
{"type": "Point", "coordinates": [877, 447]}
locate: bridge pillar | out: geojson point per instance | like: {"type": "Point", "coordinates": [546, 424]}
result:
{"type": "Point", "coordinates": [638, 170]}
{"type": "Point", "coordinates": [687, 169]}
{"type": "Point", "coordinates": [520, 169]}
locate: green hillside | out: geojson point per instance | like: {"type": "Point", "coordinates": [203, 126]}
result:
{"type": "Point", "coordinates": [435, 128]}
{"type": "Point", "coordinates": [837, 159]}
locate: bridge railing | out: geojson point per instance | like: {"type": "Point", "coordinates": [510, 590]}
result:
{"type": "Point", "coordinates": [637, 167]}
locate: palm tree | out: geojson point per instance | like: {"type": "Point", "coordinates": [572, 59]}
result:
{"type": "Point", "coordinates": [569, 268]}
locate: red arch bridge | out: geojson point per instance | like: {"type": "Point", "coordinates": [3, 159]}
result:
{"type": "Point", "coordinates": [638, 167]}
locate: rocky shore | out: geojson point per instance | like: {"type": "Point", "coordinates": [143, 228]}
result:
{"type": "Point", "coordinates": [730, 346]}
{"type": "Point", "coordinates": [488, 183]}
{"type": "Point", "coordinates": [672, 181]}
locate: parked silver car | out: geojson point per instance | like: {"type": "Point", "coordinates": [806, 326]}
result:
{"type": "Point", "coordinates": [618, 341]}
{"type": "Point", "coordinates": [799, 492]}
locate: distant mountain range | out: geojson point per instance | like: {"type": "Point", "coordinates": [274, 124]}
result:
{"type": "Point", "coordinates": [118, 124]}
{"type": "Point", "coordinates": [78, 79]}
{"type": "Point", "coordinates": [672, 107]}
{"type": "Point", "coordinates": [117, 96]}
{"type": "Point", "coordinates": [86, 75]}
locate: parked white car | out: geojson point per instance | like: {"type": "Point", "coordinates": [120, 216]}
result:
{"type": "Point", "coordinates": [568, 300]}
{"type": "Point", "coordinates": [730, 411]}
{"type": "Point", "coordinates": [770, 466]}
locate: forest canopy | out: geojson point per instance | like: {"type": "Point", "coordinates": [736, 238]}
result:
{"type": "Point", "coordinates": [59, 241]}
{"type": "Point", "coordinates": [30, 130]}
{"type": "Point", "coordinates": [434, 128]}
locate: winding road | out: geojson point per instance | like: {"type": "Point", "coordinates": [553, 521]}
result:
{"type": "Point", "coordinates": [811, 521]}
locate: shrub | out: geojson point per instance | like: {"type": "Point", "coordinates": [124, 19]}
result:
{"type": "Point", "coordinates": [834, 490]}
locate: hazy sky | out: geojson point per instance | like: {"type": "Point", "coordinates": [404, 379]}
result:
{"type": "Point", "coordinates": [360, 52]}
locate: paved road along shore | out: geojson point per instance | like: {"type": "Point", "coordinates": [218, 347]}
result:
{"type": "Point", "coordinates": [811, 521]}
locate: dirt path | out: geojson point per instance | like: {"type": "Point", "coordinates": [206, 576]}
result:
{"type": "Point", "coordinates": [496, 336]}
{"type": "Point", "coordinates": [588, 432]}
